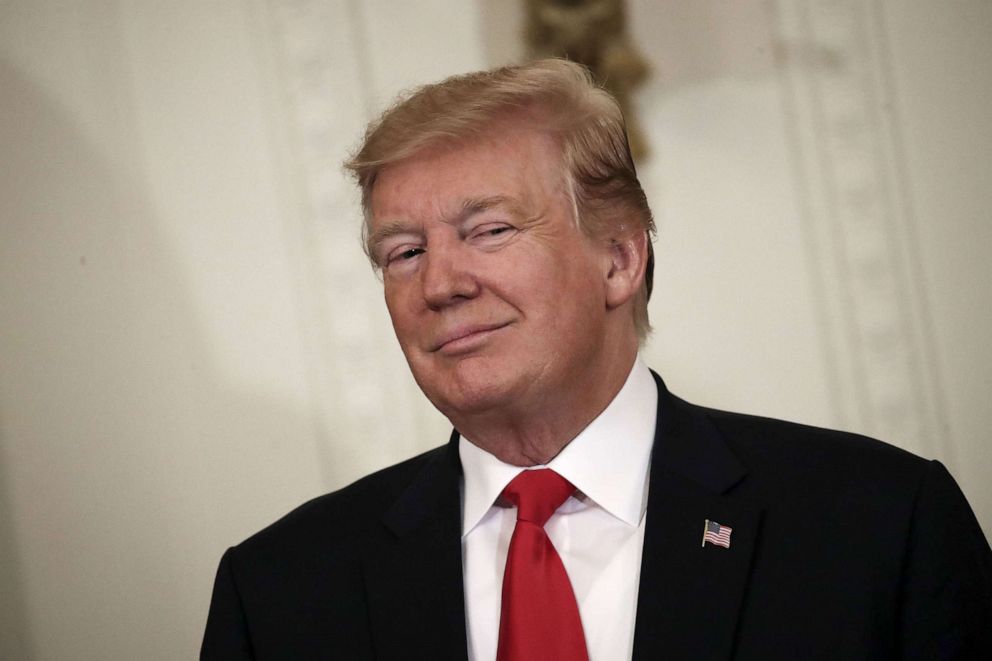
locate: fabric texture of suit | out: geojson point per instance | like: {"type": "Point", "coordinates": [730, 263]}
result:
{"type": "Point", "coordinates": [842, 548]}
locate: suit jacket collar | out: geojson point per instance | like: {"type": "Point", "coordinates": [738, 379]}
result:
{"type": "Point", "coordinates": [427, 499]}
{"type": "Point", "coordinates": [414, 579]}
{"type": "Point", "coordinates": [690, 594]}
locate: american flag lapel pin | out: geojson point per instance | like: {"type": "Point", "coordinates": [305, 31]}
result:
{"type": "Point", "coordinates": [716, 534]}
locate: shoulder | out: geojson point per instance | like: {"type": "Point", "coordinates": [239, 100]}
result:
{"type": "Point", "coordinates": [815, 457]}
{"type": "Point", "coordinates": [305, 573]}
{"type": "Point", "coordinates": [877, 521]}
{"type": "Point", "coordinates": [340, 519]}
{"type": "Point", "coordinates": [822, 481]}
{"type": "Point", "coordinates": [830, 485]}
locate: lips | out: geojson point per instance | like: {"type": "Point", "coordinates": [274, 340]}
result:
{"type": "Point", "coordinates": [464, 337]}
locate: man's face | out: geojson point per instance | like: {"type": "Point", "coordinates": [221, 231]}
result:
{"type": "Point", "coordinates": [498, 300]}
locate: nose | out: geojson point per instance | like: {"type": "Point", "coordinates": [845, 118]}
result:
{"type": "Point", "coordinates": [446, 275]}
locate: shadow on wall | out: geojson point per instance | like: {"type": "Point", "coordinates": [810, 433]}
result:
{"type": "Point", "coordinates": [127, 461]}
{"type": "Point", "coordinates": [14, 638]}
{"type": "Point", "coordinates": [24, 118]}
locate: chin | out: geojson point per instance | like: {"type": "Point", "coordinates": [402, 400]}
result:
{"type": "Point", "coordinates": [471, 389]}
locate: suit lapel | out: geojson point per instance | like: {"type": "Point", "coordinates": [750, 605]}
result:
{"type": "Point", "coordinates": [690, 594]}
{"type": "Point", "coordinates": [689, 597]}
{"type": "Point", "coordinates": [414, 581]}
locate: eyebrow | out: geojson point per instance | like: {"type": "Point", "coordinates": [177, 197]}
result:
{"type": "Point", "coordinates": [390, 229]}
{"type": "Point", "coordinates": [472, 206]}
{"type": "Point", "coordinates": [469, 208]}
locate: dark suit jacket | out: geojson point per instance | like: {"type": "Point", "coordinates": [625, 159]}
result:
{"type": "Point", "coordinates": [842, 548]}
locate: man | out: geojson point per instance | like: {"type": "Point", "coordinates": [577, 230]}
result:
{"type": "Point", "coordinates": [513, 238]}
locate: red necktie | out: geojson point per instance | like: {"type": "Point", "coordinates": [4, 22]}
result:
{"type": "Point", "coordinates": [539, 618]}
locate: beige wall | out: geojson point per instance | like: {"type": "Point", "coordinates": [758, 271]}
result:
{"type": "Point", "coordinates": [191, 343]}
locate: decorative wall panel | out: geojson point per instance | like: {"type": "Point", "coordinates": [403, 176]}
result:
{"type": "Point", "coordinates": [846, 143]}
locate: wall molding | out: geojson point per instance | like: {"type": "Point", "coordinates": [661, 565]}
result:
{"type": "Point", "coordinates": [839, 99]}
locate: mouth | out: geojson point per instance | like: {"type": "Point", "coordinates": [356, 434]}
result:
{"type": "Point", "coordinates": [462, 339]}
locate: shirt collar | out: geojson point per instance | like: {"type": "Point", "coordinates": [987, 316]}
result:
{"type": "Point", "coordinates": [615, 480]}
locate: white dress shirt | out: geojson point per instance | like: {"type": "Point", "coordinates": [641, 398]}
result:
{"type": "Point", "coordinates": [598, 532]}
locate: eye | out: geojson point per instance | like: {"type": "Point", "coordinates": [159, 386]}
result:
{"type": "Point", "coordinates": [491, 233]}
{"type": "Point", "coordinates": [397, 254]}
{"type": "Point", "coordinates": [403, 254]}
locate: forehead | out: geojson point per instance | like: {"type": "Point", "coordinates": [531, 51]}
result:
{"type": "Point", "coordinates": [519, 164]}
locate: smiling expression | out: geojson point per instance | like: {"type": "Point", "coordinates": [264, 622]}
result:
{"type": "Point", "coordinates": [496, 297]}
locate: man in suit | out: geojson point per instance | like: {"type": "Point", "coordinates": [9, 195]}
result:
{"type": "Point", "coordinates": [504, 213]}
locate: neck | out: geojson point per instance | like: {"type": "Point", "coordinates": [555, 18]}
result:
{"type": "Point", "coordinates": [535, 434]}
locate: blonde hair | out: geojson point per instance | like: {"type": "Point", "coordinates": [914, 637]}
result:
{"type": "Point", "coordinates": [585, 120]}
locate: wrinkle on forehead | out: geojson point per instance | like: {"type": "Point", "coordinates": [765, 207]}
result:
{"type": "Point", "coordinates": [540, 177]}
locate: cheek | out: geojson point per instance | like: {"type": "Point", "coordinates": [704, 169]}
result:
{"type": "Point", "coordinates": [400, 314]}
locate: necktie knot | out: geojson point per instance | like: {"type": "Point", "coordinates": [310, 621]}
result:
{"type": "Point", "coordinates": [537, 494]}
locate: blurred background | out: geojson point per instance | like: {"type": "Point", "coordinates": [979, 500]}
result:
{"type": "Point", "coordinates": [191, 341]}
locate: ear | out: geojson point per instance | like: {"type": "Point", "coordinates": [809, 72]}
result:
{"type": "Point", "coordinates": [628, 255]}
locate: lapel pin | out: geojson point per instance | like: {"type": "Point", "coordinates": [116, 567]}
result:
{"type": "Point", "coordinates": [716, 534]}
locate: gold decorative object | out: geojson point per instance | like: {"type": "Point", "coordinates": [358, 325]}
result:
{"type": "Point", "coordinates": [593, 33]}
